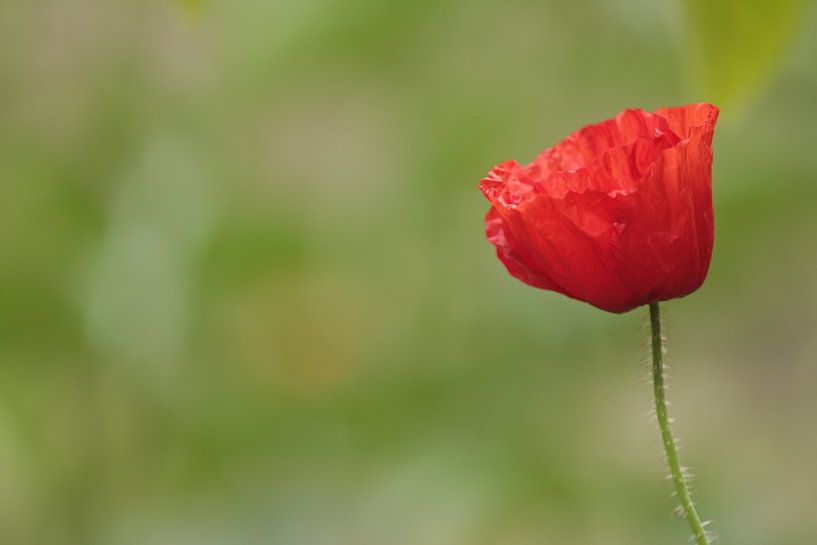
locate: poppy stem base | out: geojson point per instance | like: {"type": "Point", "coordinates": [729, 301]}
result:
{"type": "Point", "coordinates": [677, 472]}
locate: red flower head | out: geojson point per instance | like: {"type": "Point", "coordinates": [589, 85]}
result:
{"type": "Point", "coordinates": [618, 214]}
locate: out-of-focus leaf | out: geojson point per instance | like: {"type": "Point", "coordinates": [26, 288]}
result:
{"type": "Point", "coordinates": [191, 7]}
{"type": "Point", "coordinates": [737, 44]}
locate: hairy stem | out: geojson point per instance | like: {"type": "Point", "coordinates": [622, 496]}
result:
{"type": "Point", "coordinates": [659, 389]}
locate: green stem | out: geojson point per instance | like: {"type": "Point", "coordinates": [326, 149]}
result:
{"type": "Point", "coordinates": [688, 509]}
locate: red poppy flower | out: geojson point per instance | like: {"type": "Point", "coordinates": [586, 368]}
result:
{"type": "Point", "coordinates": [618, 214]}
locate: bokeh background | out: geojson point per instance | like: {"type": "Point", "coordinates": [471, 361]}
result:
{"type": "Point", "coordinates": [245, 296]}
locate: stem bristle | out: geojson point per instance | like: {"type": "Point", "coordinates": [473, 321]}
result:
{"type": "Point", "coordinates": [680, 475]}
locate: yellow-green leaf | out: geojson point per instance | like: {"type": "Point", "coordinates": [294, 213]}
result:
{"type": "Point", "coordinates": [738, 44]}
{"type": "Point", "coordinates": [191, 7]}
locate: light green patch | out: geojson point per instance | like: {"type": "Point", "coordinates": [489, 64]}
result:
{"type": "Point", "coordinates": [737, 46]}
{"type": "Point", "coordinates": [192, 8]}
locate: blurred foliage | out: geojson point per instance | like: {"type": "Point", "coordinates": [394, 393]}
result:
{"type": "Point", "coordinates": [246, 296]}
{"type": "Point", "coordinates": [737, 45]}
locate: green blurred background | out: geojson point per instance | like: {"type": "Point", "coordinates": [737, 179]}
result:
{"type": "Point", "coordinates": [245, 296]}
